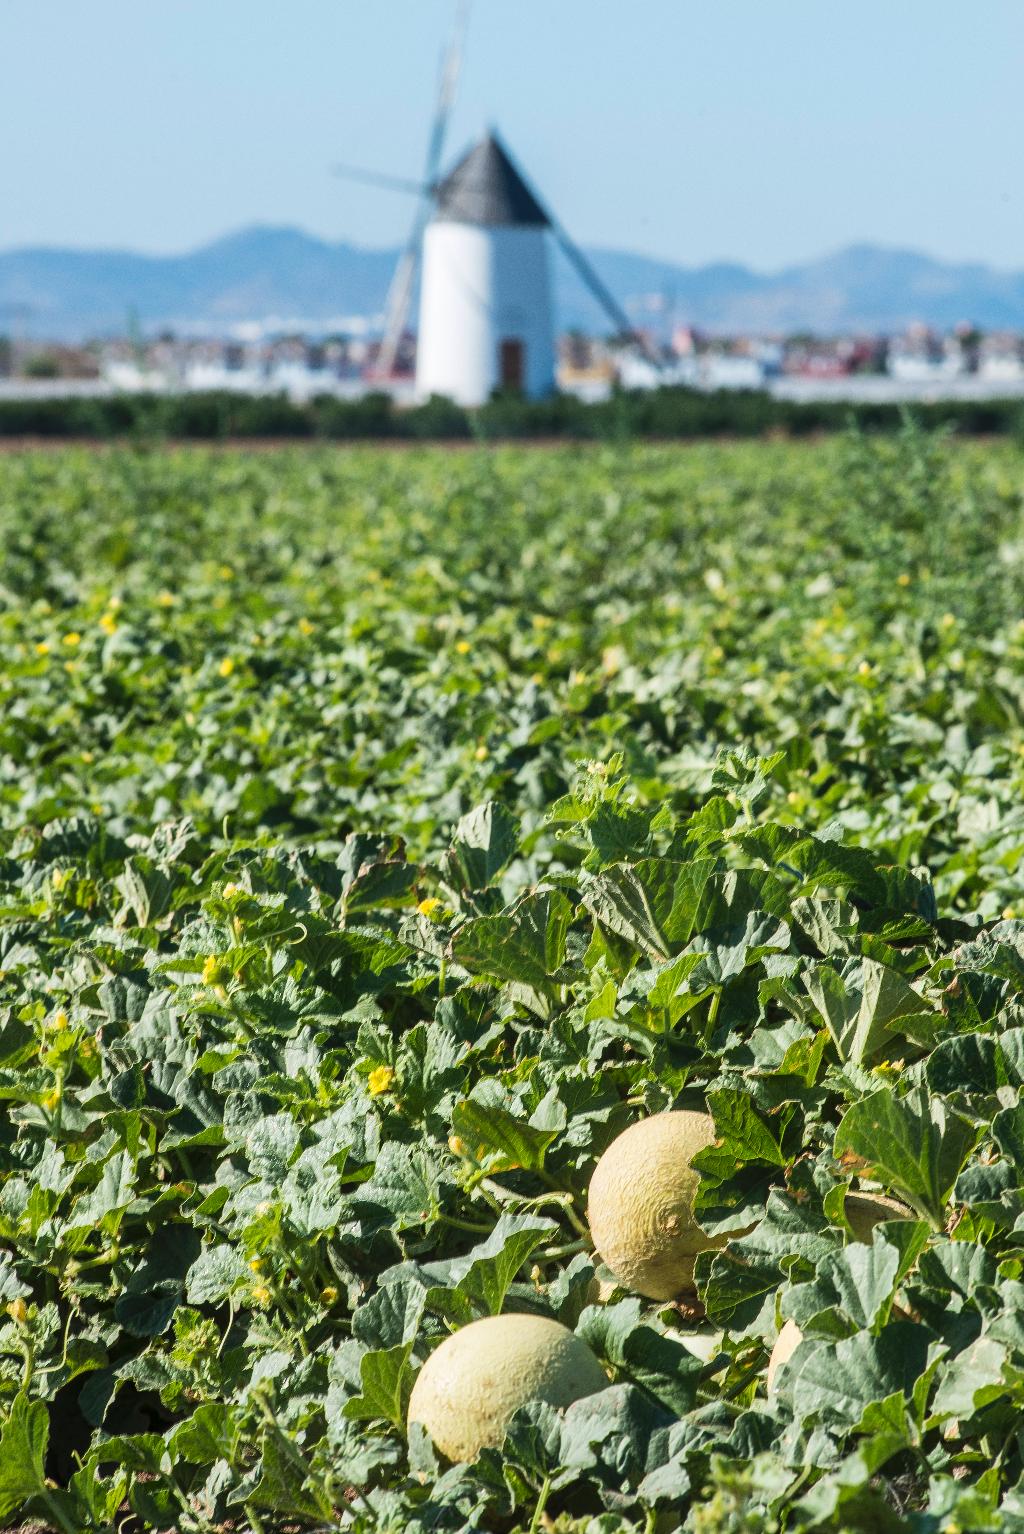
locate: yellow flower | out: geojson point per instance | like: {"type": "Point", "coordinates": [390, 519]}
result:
{"type": "Point", "coordinates": [72, 639]}
{"type": "Point", "coordinates": [864, 669]}
{"type": "Point", "coordinates": [380, 1080]}
{"type": "Point", "coordinates": [948, 620]}
{"type": "Point", "coordinates": [229, 890]}
{"type": "Point", "coordinates": [88, 1048]}
{"type": "Point", "coordinates": [42, 648]}
{"type": "Point", "coordinates": [108, 623]}
{"type": "Point", "coordinates": [481, 753]}
{"type": "Point", "coordinates": [226, 666]}
{"type": "Point", "coordinates": [261, 1294]}
{"type": "Point", "coordinates": [226, 573]}
{"type": "Point", "coordinates": [903, 580]}
{"type": "Point", "coordinates": [165, 599]}
{"type": "Point", "coordinates": [256, 1264]}
{"type": "Point", "coordinates": [456, 1146]}
{"type": "Point", "coordinates": [60, 1022]}
{"type": "Point", "coordinates": [215, 970]}
{"type": "Point", "coordinates": [305, 627]}
{"type": "Point", "coordinates": [429, 906]}
{"type": "Point", "coordinates": [1009, 913]}
{"type": "Point", "coordinates": [18, 1311]}
{"type": "Point", "coordinates": [71, 666]}
{"type": "Point", "coordinates": [51, 1100]}
{"type": "Point", "coordinates": [87, 757]}
{"type": "Point", "coordinates": [329, 1295]}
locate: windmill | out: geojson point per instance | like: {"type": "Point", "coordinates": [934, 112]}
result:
{"type": "Point", "coordinates": [486, 318]}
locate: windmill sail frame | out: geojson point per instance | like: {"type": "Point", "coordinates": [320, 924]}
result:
{"type": "Point", "coordinates": [403, 283]}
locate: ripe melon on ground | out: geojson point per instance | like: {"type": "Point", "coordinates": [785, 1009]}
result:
{"type": "Point", "coordinates": [864, 1211]}
{"type": "Point", "coordinates": [640, 1204]}
{"type": "Point", "coordinates": [786, 1344]}
{"type": "Point", "coordinates": [471, 1385]}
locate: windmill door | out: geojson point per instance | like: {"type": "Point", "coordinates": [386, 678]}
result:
{"type": "Point", "coordinates": [512, 365]}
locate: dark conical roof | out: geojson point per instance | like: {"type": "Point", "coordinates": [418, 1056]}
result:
{"type": "Point", "coordinates": [486, 188]}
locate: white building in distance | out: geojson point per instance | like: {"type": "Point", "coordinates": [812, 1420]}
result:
{"type": "Point", "coordinates": [486, 319]}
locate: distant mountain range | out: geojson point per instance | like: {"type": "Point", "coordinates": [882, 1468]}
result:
{"type": "Point", "coordinates": [262, 272]}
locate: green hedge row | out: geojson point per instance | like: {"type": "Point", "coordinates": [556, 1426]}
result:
{"type": "Point", "coordinates": [661, 413]}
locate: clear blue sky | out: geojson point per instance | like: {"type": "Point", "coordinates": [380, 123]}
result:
{"type": "Point", "coordinates": [763, 131]}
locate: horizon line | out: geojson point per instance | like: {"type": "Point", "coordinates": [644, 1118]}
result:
{"type": "Point", "coordinates": [854, 245]}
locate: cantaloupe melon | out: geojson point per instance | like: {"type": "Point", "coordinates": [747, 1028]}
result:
{"type": "Point", "coordinates": [866, 1210]}
{"type": "Point", "coordinates": [470, 1386]}
{"type": "Point", "coordinates": [640, 1204]}
{"type": "Point", "coordinates": [786, 1344]}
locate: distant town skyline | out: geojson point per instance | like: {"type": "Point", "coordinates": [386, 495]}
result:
{"type": "Point", "coordinates": [762, 134]}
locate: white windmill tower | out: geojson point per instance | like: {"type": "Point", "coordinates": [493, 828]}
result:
{"type": "Point", "coordinates": [483, 235]}
{"type": "Point", "coordinates": [486, 319]}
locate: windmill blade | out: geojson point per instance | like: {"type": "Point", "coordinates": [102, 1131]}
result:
{"type": "Point", "coordinates": [404, 280]}
{"type": "Point", "coordinates": [451, 68]}
{"type": "Point", "coordinates": [378, 178]}
{"type": "Point", "coordinates": [592, 281]}
{"type": "Point", "coordinates": [618, 316]}
{"type": "Point", "coordinates": [400, 294]}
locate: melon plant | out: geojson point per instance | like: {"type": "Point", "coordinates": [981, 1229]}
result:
{"type": "Point", "coordinates": [381, 836]}
{"type": "Point", "coordinates": [864, 1211]}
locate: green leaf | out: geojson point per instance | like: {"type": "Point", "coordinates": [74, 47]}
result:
{"type": "Point", "coordinates": [405, 1182]}
{"type": "Point", "coordinates": [149, 1312]}
{"type": "Point", "coordinates": [979, 1375]}
{"type": "Point", "coordinates": [484, 842]}
{"type": "Point", "coordinates": [23, 1442]}
{"type": "Point", "coordinates": [385, 1378]}
{"type": "Point", "coordinates": [742, 1133]}
{"type": "Point", "coordinates": [855, 1288]}
{"type": "Point", "coordinates": [215, 1274]}
{"type": "Point", "coordinates": [967, 1063]}
{"type": "Point", "coordinates": [211, 1433]}
{"type": "Point", "coordinates": [915, 1145]}
{"type": "Point", "coordinates": [653, 904]}
{"type": "Point", "coordinates": [270, 1146]}
{"type": "Point", "coordinates": [862, 1005]}
{"type": "Point", "coordinates": [1008, 1133]}
{"type": "Point", "coordinates": [146, 889]}
{"type": "Point", "coordinates": [523, 946]}
{"type": "Point", "coordinates": [284, 1485]}
{"type": "Point", "coordinates": [114, 1192]}
{"type": "Point", "coordinates": [666, 1369]}
{"type": "Point", "coordinates": [842, 1380]}
{"type": "Point", "coordinates": [509, 1143]}
{"type": "Point", "coordinates": [487, 1272]}
{"type": "Point", "coordinates": [819, 862]}
{"type": "Point", "coordinates": [391, 1316]}
{"type": "Point", "coordinates": [387, 884]}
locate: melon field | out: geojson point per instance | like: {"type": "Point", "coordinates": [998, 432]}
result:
{"type": "Point", "coordinates": [385, 835]}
